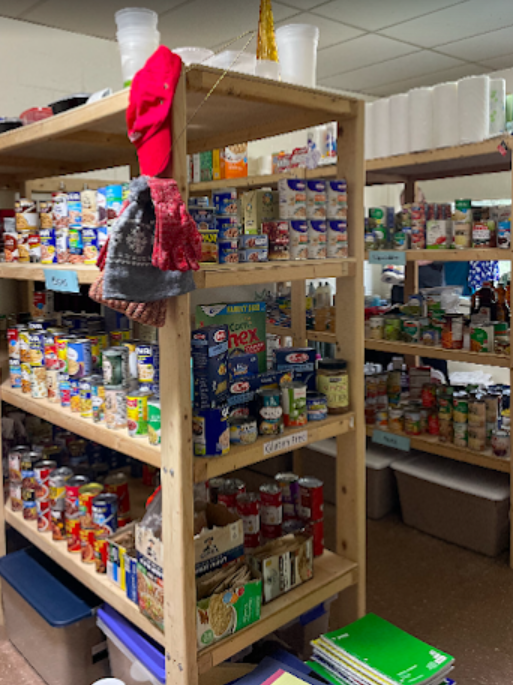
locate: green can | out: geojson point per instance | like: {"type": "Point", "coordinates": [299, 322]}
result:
{"type": "Point", "coordinates": [154, 422]}
{"type": "Point", "coordinates": [393, 328]}
{"type": "Point", "coordinates": [137, 413]}
{"type": "Point", "coordinates": [115, 366]}
{"type": "Point", "coordinates": [460, 408]}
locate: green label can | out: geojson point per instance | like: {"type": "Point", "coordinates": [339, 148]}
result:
{"type": "Point", "coordinates": [115, 365]}
{"type": "Point", "coordinates": [137, 414]}
{"type": "Point", "coordinates": [154, 422]}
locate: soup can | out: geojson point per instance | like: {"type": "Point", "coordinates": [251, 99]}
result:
{"type": "Point", "coordinates": [86, 495]}
{"type": "Point", "coordinates": [270, 412]}
{"type": "Point", "coordinates": [87, 538]}
{"type": "Point", "coordinates": [311, 499]}
{"type": "Point", "coordinates": [86, 398]}
{"type": "Point", "coordinates": [146, 362]}
{"type": "Point", "coordinates": [79, 358]}
{"type": "Point", "coordinates": [74, 384]}
{"type": "Point", "coordinates": [118, 337]}
{"type": "Point", "coordinates": [43, 471]}
{"type": "Point", "coordinates": [15, 495]}
{"type": "Point", "coordinates": [105, 512]}
{"type": "Point", "coordinates": [115, 366]}
{"type": "Point", "coordinates": [316, 530]}
{"type": "Point", "coordinates": [29, 509]}
{"type": "Point", "coordinates": [58, 524]}
{"type": "Point", "coordinates": [460, 431]}
{"type": "Point", "coordinates": [271, 504]}
{"type": "Point", "coordinates": [316, 406]}
{"type": "Point", "coordinates": [137, 413]}
{"type": "Point", "coordinates": [44, 517]}
{"type": "Point", "coordinates": [57, 487]}
{"type": "Point", "coordinates": [115, 407]}
{"type": "Point", "coordinates": [15, 459]}
{"type": "Point", "coordinates": [248, 508]}
{"type": "Point", "coordinates": [73, 486]}
{"type": "Point", "coordinates": [101, 552]}
{"type": "Point", "coordinates": [293, 397]}
{"type": "Point", "coordinates": [98, 398]}
{"type": "Point", "coordinates": [500, 443]}
{"type": "Point", "coordinates": [289, 485]}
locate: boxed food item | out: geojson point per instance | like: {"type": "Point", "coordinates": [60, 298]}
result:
{"type": "Point", "coordinates": [228, 600]}
{"type": "Point", "coordinates": [122, 560]}
{"type": "Point", "coordinates": [283, 564]}
{"type": "Point", "coordinates": [316, 200]}
{"type": "Point", "coordinates": [209, 250]}
{"type": "Point", "coordinates": [114, 200]}
{"type": "Point", "coordinates": [209, 351]}
{"type": "Point", "coordinates": [235, 161]}
{"type": "Point", "coordinates": [292, 198]}
{"type": "Point", "coordinates": [204, 217]}
{"type": "Point", "coordinates": [242, 365]}
{"type": "Point", "coordinates": [256, 254]}
{"type": "Point", "coordinates": [216, 165]}
{"type": "Point", "coordinates": [298, 360]}
{"type": "Point", "coordinates": [246, 323]}
{"type": "Point", "coordinates": [202, 167]}
{"type": "Point", "coordinates": [439, 234]}
{"type": "Point", "coordinates": [252, 241]}
{"type": "Point", "coordinates": [259, 206]}
{"type": "Point", "coordinates": [336, 197]}
{"type": "Point", "coordinates": [220, 540]}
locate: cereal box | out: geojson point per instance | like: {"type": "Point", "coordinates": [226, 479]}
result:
{"type": "Point", "coordinates": [235, 161]}
{"type": "Point", "coordinates": [259, 206]}
{"type": "Point", "coordinates": [246, 323]}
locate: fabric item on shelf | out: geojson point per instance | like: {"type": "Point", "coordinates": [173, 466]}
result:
{"type": "Point", "coordinates": [479, 272]}
{"type": "Point", "coordinates": [149, 313]}
{"type": "Point", "coordinates": [456, 273]}
{"type": "Point", "coordinates": [129, 273]}
{"type": "Point", "coordinates": [177, 243]}
{"type": "Point", "coordinates": [148, 115]}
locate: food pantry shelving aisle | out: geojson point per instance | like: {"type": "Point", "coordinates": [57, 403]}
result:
{"type": "Point", "coordinates": [462, 160]}
{"type": "Point", "coordinates": [242, 108]}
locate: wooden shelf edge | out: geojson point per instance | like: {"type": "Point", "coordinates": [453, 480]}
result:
{"type": "Point", "coordinates": [425, 443]}
{"type": "Point", "coordinates": [332, 574]}
{"type": "Point", "coordinates": [85, 573]}
{"type": "Point", "coordinates": [36, 272]}
{"type": "Point", "coordinates": [397, 347]}
{"type": "Point", "coordinates": [119, 440]}
{"type": "Point", "coordinates": [472, 254]}
{"type": "Point", "coordinates": [240, 457]}
{"type": "Point", "coordinates": [321, 336]}
{"type": "Point", "coordinates": [264, 180]}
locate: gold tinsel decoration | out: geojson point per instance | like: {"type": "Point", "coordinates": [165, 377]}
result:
{"type": "Point", "coordinates": [266, 41]}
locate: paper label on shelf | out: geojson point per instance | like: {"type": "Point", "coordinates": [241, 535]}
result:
{"type": "Point", "coordinates": [387, 257]}
{"type": "Point", "coordinates": [287, 442]}
{"type": "Point", "coordinates": [400, 442]}
{"type": "Point", "coordinates": [62, 281]}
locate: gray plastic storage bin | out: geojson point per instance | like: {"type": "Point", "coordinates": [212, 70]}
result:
{"type": "Point", "coordinates": [459, 503]}
{"type": "Point", "coordinates": [49, 619]}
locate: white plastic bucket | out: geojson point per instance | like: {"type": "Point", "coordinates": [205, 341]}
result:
{"type": "Point", "coordinates": [234, 60]}
{"type": "Point", "coordinates": [134, 53]}
{"type": "Point", "coordinates": [297, 49]}
{"type": "Point", "coordinates": [193, 55]}
{"type": "Point", "coordinates": [136, 17]}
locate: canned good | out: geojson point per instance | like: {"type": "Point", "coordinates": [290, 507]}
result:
{"type": "Point", "coordinates": [15, 495]}
{"type": "Point", "coordinates": [43, 470]}
{"type": "Point", "coordinates": [101, 552]}
{"type": "Point", "coordinates": [412, 421]}
{"type": "Point", "coordinates": [52, 385]}
{"type": "Point", "coordinates": [28, 474]}
{"type": "Point", "coordinates": [316, 406]}
{"type": "Point", "coordinates": [38, 388]}
{"type": "Point", "coordinates": [105, 512]}
{"type": "Point", "coordinates": [248, 507]}
{"type": "Point", "coordinates": [115, 366]}
{"type": "Point", "coordinates": [381, 418]}
{"type": "Point", "coordinates": [65, 392]}
{"type": "Point", "coordinates": [377, 327]}
{"type": "Point", "coordinates": [270, 412]}
{"type": "Point", "coordinates": [146, 362]}
{"type": "Point", "coordinates": [311, 499]}
{"type": "Point", "coordinates": [452, 332]}
{"type": "Point", "coordinates": [476, 412]}
{"type": "Point", "coordinates": [37, 349]}
{"type": "Point", "coordinates": [271, 504]}
{"type": "Point", "coordinates": [98, 398]}
{"type": "Point", "coordinates": [13, 343]}
{"type": "Point", "coordinates": [445, 430]}
{"type": "Point", "coordinates": [131, 346]}
{"type": "Point", "coordinates": [57, 487]}
{"type": "Point", "coordinates": [476, 438]}
{"type": "Point", "coordinates": [154, 421]}
{"type": "Point", "coordinates": [86, 495]}
{"type": "Point", "coordinates": [210, 432]}
{"type": "Point", "coordinates": [392, 328]}
{"type": "Point", "coordinates": [44, 520]}
{"type": "Point", "coordinates": [29, 510]}
{"type": "Point", "coordinates": [460, 433]}
{"type": "Point", "coordinates": [395, 419]}
{"type": "Point", "coordinates": [118, 337]}
{"type": "Point", "coordinates": [227, 495]}
{"type": "Point", "coordinates": [15, 374]}
{"type": "Point", "coordinates": [460, 408]}
{"type": "Point", "coordinates": [50, 351]}
{"type": "Point", "coordinates": [24, 346]}
{"type": "Point", "coordinates": [73, 486]}
{"type": "Point", "coordinates": [493, 407]}
{"type": "Point", "coordinates": [428, 395]}
{"type": "Point", "coordinates": [293, 396]}
{"type": "Point", "coordinates": [72, 526]}
{"type": "Point", "coordinates": [87, 538]}
{"type": "Point", "coordinates": [137, 413]}
{"type": "Point", "coordinates": [316, 530]}
{"type": "Point", "coordinates": [79, 358]}
{"type": "Point", "coordinates": [243, 430]}
{"type": "Point", "coordinates": [115, 408]}
{"type": "Point", "coordinates": [86, 399]}
{"type": "Point", "coordinates": [411, 330]}
{"type": "Point", "coordinates": [270, 533]}
{"type": "Point", "coordinates": [433, 423]}
{"type": "Point", "coordinates": [74, 384]}
{"type": "Point", "coordinates": [15, 458]}
{"type": "Point", "coordinates": [117, 484]}
{"type": "Point", "coordinates": [58, 524]}
{"type": "Point", "coordinates": [500, 443]}
{"type": "Point", "coordinates": [215, 485]}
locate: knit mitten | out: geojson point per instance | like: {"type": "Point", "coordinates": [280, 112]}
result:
{"type": "Point", "coordinates": [177, 244]}
{"type": "Point", "coordinates": [129, 272]}
{"type": "Point", "coordinates": [149, 313]}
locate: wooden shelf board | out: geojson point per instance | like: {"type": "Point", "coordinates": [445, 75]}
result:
{"type": "Point", "coordinates": [332, 574]}
{"type": "Point", "coordinates": [279, 330]}
{"type": "Point", "coordinates": [85, 573]}
{"type": "Point", "coordinates": [428, 443]}
{"type": "Point", "coordinates": [242, 456]}
{"type": "Point", "coordinates": [209, 275]}
{"type": "Point", "coordinates": [395, 347]}
{"type": "Point", "coordinates": [472, 254]}
{"type": "Point", "coordinates": [321, 336]}
{"type": "Point", "coordinates": [119, 440]}
{"type": "Point", "coordinates": [461, 160]}
{"type": "Point", "coordinates": [263, 181]}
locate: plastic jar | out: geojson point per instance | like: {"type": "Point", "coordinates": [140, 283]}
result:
{"type": "Point", "coordinates": [333, 381]}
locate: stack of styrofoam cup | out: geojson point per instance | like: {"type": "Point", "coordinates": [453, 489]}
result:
{"type": "Point", "coordinates": [297, 49]}
{"type": "Point", "coordinates": [138, 39]}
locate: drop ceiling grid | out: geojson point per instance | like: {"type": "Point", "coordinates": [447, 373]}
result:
{"type": "Point", "coordinates": [377, 47]}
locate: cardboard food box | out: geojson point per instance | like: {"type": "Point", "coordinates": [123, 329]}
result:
{"type": "Point", "coordinates": [122, 560]}
{"type": "Point", "coordinates": [259, 206]}
{"type": "Point", "coordinates": [150, 575]}
{"type": "Point", "coordinates": [246, 323]}
{"type": "Point", "coordinates": [221, 542]}
{"type": "Point", "coordinates": [283, 564]}
{"type": "Point", "coordinates": [227, 610]}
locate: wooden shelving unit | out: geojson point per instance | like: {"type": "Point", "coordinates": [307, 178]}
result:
{"type": "Point", "coordinates": [462, 160]}
{"type": "Point", "coordinates": [241, 108]}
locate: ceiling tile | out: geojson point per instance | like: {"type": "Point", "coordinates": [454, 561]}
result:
{"type": "Point", "coordinates": [472, 18]}
{"type": "Point", "coordinates": [452, 74]}
{"type": "Point", "coordinates": [93, 18]}
{"type": "Point", "coordinates": [372, 15]}
{"type": "Point", "coordinates": [303, 5]}
{"type": "Point", "coordinates": [399, 69]}
{"type": "Point", "coordinates": [357, 53]}
{"type": "Point", "coordinates": [221, 21]}
{"type": "Point", "coordinates": [15, 8]}
{"type": "Point", "coordinates": [330, 32]}
{"type": "Point", "coordinates": [502, 62]}
{"type": "Point", "coordinates": [483, 47]}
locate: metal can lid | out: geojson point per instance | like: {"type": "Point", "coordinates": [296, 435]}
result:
{"type": "Point", "coordinates": [104, 498]}
{"type": "Point", "coordinates": [247, 497]}
{"type": "Point", "coordinates": [90, 489]}
{"type": "Point", "coordinates": [332, 364]}
{"type": "Point", "coordinates": [286, 477]}
{"type": "Point", "coordinates": [270, 489]}
{"type": "Point", "coordinates": [116, 479]}
{"type": "Point", "coordinates": [77, 481]}
{"type": "Point", "coordinates": [310, 482]}
{"type": "Point", "coordinates": [46, 464]}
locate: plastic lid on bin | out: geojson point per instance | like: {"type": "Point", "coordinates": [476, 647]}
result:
{"type": "Point", "coordinates": [140, 645]}
{"type": "Point", "coordinates": [31, 574]}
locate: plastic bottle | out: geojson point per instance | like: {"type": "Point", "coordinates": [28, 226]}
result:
{"type": "Point", "coordinates": [322, 296]}
{"type": "Point", "coordinates": [484, 302]}
{"type": "Point", "coordinates": [502, 304]}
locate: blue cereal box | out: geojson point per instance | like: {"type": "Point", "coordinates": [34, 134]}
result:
{"type": "Point", "coordinates": [209, 350]}
{"type": "Point", "coordinates": [300, 361]}
{"type": "Point", "coordinates": [48, 246]}
{"type": "Point", "coordinates": [74, 210]}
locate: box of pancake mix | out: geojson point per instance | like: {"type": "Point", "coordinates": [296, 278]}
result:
{"type": "Point", "coordinates": [246, 326]}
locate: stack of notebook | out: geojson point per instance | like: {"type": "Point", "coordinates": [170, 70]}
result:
{"type": "Point", "coordinates": [372, 651]}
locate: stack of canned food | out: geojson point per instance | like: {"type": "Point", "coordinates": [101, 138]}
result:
{"type": "Point", "coordinates": [286, 505]}
{"type": "Point", "coordinates": [469, 417]}
{"type": "Point", "coordinates": [101, 376]}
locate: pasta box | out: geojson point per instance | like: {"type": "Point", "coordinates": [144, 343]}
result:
{"type": "Point", "coordinates": [209, 351]}
{"type": "Point", "coordinates": [246, 323]}
{"type": "Point", "coordinates": [242, 365]}
{"type": "Point", "coordinates": [259, 206]}
{"type": "Point", "coordinates": [298, 360]}
{"type": "Point", "coordinates": [221, 541]}
{"type": "Point", "coordinates": [242, 390]}
{"type": "Point", "coordinates": [227, 602]}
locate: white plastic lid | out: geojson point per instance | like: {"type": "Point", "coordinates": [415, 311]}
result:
{"type": "Point", "coordinates": [473, 480]}
{"type": "Point", "coordinates": [376, 456]}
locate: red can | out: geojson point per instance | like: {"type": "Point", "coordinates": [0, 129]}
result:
{"type": "Point", "coordinates": [433, 423]}
{"type": "Point", "coordinates": [15, 496]}
{"type": "Point", "coordinates": [13, 343]}
{"type": "Point", "coordinates": [101, 552]}
{"type": "Point", "coordinates": [87, 542]}
{"type": "Point", "coordinates": [148, 475]}
{"type": "Point", "coordinates": [73, 534]}
{"type": "Point", "coordinates": [124, 521]}
{"type": "Point", "coordinates": [311, 499]}
{"type": "Point", "coordinates": [43, 469]}
{"type": "Point", "coordinates": [51, 358]}
{"type": "Point", "coordinates": [289, 484]}
{"type": "Point", "coordinates": [58, 523]}
{"type": "Point", "coordinates": [65, 393]}
{"type": "Point", "coordinates": [228, 496]}
{"type": "Point", "coordinates": [271, 532]}
{"type": "Point", "coordinates": [271, 509]}
{"type": "Point", "coordinates": [316, 530]}
{"type": "Point", "coordinates": [248, 508]}
{"type": "Point", "coordinates": [117, 484]}
{"type": "Point", "coordinates": [44, 517]}
{"type": "Point", "coordinates": [73, 486]}
{"type": "Point", "coordinates": [86, 495]}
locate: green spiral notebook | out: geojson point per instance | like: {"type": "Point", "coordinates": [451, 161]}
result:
{"type": "Point", "coordinates": [372, 650]}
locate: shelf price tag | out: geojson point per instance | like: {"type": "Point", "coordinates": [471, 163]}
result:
{"type": "Point", "coordinates": [62, 281]}
{"type": "Point", "coordinates": [400, 442]}
{"type": "Point", "coordinates": [383, 257]}
{"type": "Point", "coordinates": [287, 442]}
